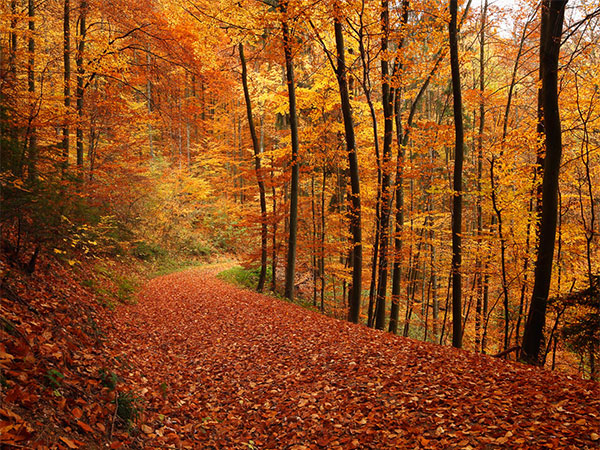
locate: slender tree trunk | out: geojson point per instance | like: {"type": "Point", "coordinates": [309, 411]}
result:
{"type": "Point", "coordinates": [259, 177]}
{"type": "Point", "coordinates": [275, 222]}
{"type": "Point", "coordinates": [290, 269]}
{"type": "Point", "coordinates": [80, 73]}
{"type": "Point", "coordinates": [67, 80]}
{"type": "Point", "coordinates": [354, 212]}
{"type": "Point", "coordinates": [32, 135]}
{"type": "Point", "coordinates": [322, 249]}
{"type": "Point", "coordinates": [399, 222]}
{"type": "Point", "coordinates": [457, 184]}
{"type": "Point", "coordinates": [388, 113]}
{"type": "Point", "coordinates": [314, 256]}
{"type": "Point", "coordinates": [149, 102]}
{"type": "Point", "coordinates": [550, 43]}
{"type": "Point", "coordinates": [478, 265]}
{"type": "Point", "coordinates": [498, 212]}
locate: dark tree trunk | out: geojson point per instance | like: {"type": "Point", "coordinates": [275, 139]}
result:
{"type": "Point", "coordinates": [32, 138]}
{"type": "Point", "coordinates": [259, 177]}
{"type": "Point", "coordinates": [290, 269]}
{"type": "Point", "coordinates": [457, 185]}
{"type": "Point", "coordinates": [354, 212]}
{"type": "Point", "coordinates": [396, 264]}
{"type": "Point", "coordinates": [67, 81]}
{"type": "Point", "coordinates": [399, 223]}
{"type": "Point", "coordinates": [553, 11]}
{"type": "Point", "coordinates": [388, 115]}
{"type": "Point", "coordinates": [80, 73]}
{"type": "Point", "coordinates": [478, 265]}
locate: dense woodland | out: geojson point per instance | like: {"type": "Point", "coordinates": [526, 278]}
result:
{"type": "Point", "coordinates": [426, 167]}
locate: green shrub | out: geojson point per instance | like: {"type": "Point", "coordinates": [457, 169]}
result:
{"type": "Point", "coordinates": [146, 251]}
{"type": "Point", "coordinates": [243, 277]}
{"type": "Point", "coordinates": [108, 378]}
{"type": "Point", "coordinates": [54, 378]}
{"type": "Point", "coordinates": [128, 407]}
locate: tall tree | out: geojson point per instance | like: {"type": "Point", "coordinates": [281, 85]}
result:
{"type": "Point", "coordinates": [550, 41]}
{"type": "Point", "coordinates": [31, 135]}
{"type": "Point", "coordinates": [290, 269]}
{"type": "Point", "coordinates": [399, 192]}
{"type": "Point", "coordinates": [387, 100]}
{"type": "Point", "coordinates": [457, 183]}
{"type": "Point", "coordinates": [83, 6]}
{"type": "Point", "coordinates": [67, 79]}
{"type": "Point", "coordinates": [355, 210]}
{"type": "Point", "coordinates": [259, 176]}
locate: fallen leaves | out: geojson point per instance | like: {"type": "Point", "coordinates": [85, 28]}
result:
{"type": "Point", "coordinates": [219, 367]}
{"type": "Point", "coordinates": [246, 368]}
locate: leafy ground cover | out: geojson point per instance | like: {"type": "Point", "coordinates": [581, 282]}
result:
{"type": "Point", "coordinates": [194, 362]}
{"type": "Point", "coordinates": [215, 366]}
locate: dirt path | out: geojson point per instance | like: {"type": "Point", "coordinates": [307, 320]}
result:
{"type": "Point", "coordinates": [246, 371]}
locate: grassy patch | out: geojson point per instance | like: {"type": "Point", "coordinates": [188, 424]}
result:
{"type": "Point", "coordinates": [240, 276]}
{"type": "Point", "coordinates": [171, 265]}
{"type": "Point", "coordinates": [248, 278]}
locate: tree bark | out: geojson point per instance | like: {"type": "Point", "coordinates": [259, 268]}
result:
{"type": "Point", "coordinates": [259, 177]}
{"type": "Point", "coordinates": [32, 136]}
{"type": "Point", "coordinates": [388, 113]}
{"type": "Point", "coordinates": [80, 73]}
{"type": "Point", "coordinates": [553, 11]}
{"type": "Point", "coordinates": [67, 80]}
{"type": "Point", "coordinates": [290, 269]}
{"type": "Point", "coordinates": [457, 184]}
{"type": "Point", "coordinates": [399, 192]}
{"type": "Point", "coordinates": [354, 212]}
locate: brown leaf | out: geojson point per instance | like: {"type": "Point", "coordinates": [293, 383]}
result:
{"type": "Point", "coordinates": [77, 413]}
{"type": "Point", "coordinates": [84, 426]}
{"type": "Point", "coordinates": [70, 443]}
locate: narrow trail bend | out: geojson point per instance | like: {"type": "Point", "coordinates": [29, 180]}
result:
{"type": "Point", "coordinates": [225, 368]}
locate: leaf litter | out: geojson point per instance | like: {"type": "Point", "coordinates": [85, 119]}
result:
{"type": "Point", "coordinates": [222, 367]}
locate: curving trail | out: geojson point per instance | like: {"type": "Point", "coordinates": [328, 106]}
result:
{"type": "Point", "coordinates": [241, 370]}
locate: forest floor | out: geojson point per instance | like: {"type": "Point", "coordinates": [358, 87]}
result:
{"type": "Point", "coordinates": [197, 363]}
{"type": "Point", "coordinates": [222, 367]}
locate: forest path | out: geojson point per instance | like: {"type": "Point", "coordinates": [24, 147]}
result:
{"type": "Point", "coordinates": [243, 370]}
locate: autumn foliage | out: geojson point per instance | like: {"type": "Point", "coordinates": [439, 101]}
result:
{"type": "Point", "coordinates": [317, 144]}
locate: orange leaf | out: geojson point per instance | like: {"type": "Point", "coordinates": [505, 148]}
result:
{"type": "Point", "coordinates": [116, 444]}
{"type": "Point", "coordinates": [84, 426]}
{"type": "Point", "coordinates": [69, 442]}
{"type": "Point", "coordinates": [77, 413]}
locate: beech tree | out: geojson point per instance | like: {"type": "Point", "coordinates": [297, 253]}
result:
{"type": "Point", "coordinates": [259, 176]}
{"type": "Point", "coordinates": [550, 41]}
{"type": "Point", "coordinates": [457, 184]}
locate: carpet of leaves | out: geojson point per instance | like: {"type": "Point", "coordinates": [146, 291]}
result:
{"type": "Point", "coordinates": [51, 354]}
{"type": "Point", "coordinates": [224, 368]}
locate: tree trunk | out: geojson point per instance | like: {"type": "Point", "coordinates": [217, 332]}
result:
{"type": "Point", "coordinates": [478, 265]}
{"type": "Point", "coordinates": [550, 50]}
{"type": "Point", "coordinates": [388, 113]}
{"type": "Point", "coordinates": [399, 223]}
{"type": "Point", "coordinates": [354, 212]}
{"type": "Point", "coordinates": [457, 185]}
{"type": "Point", "coordinates": [32, 137]}
{"type": "Point", "coordinates": [80, 72]}
{"type": "Point", "coordinates": [399, 192]}
{"type": "Point", "coordinates": [290, 269]}
{"type": "Point", "coordinates": [259, 177]}
{"type": "Point", "coordinates": [149, 103]}
{"type": "Point", "coordinates": [67, 81]}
